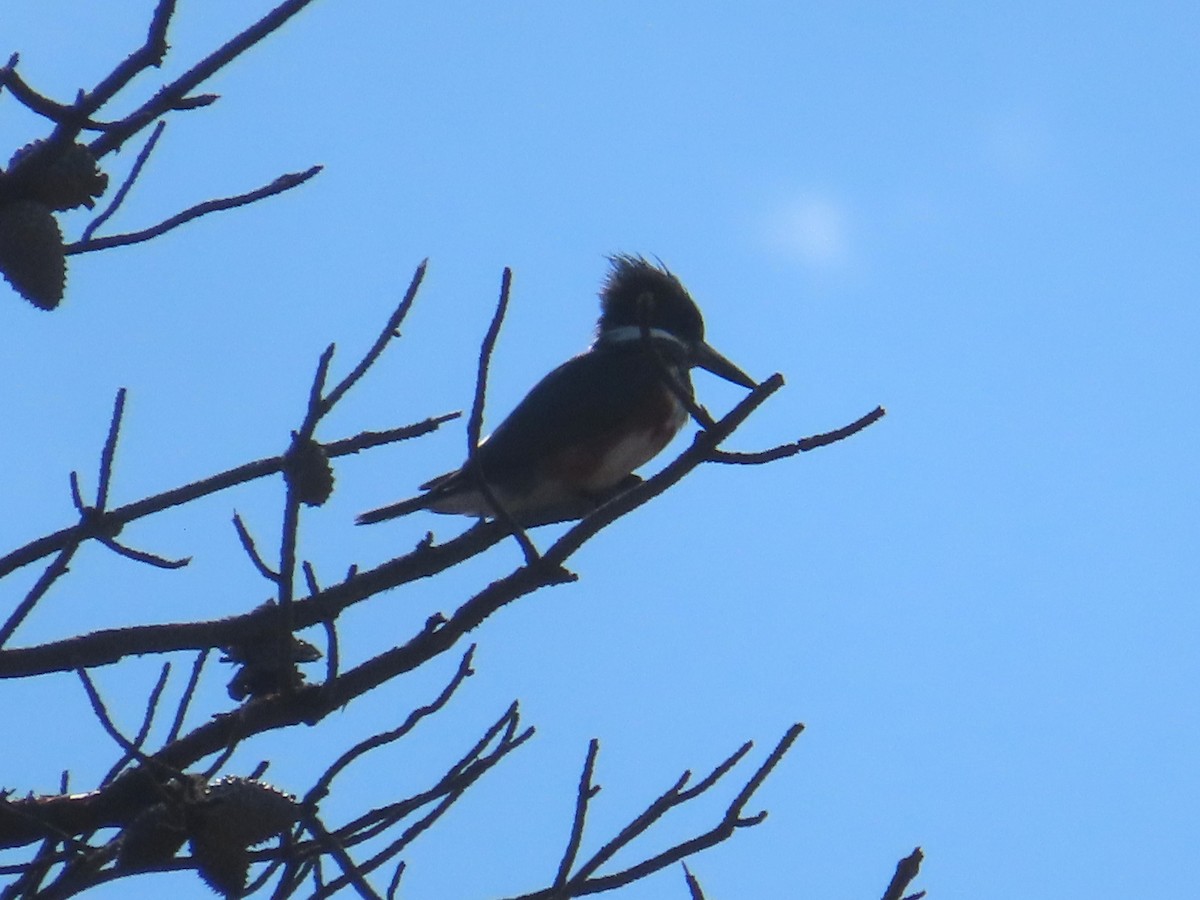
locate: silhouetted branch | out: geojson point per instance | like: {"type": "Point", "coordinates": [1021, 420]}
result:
{"type": "Point", "coordinates": [585, 881]}
{"type": "Point", "coordinates": [584, 795]}
{"type": "Point", "coordinates": [906, 870]}
{"type": "Point", "coordinates": [475, 424]}
{"type": "Point", "coordinates": [107, 646]}
{"type": "Point", "coordinates": [134, 171]}
{"type": "Point", "coordinates": [334, 848]}
{"type": "Point", "coordinates": [687, 400]}
{"type": "Point", "coordinates": [108, 453]}
{"type": "Point", "coordinates": [188, 692]}
{"type": "Point", "coordinates": [139, 740]}
{"type": "Point", "coordinates": [40, 104]}
{"type": "Point", "coordinates": [174, 95]}
{"type": "Point", "coordinates": [278, 186]}
{"type": "Point", "coordinates": [804, 444]}
{"type": "Point", "coordinates": [394, 884]}
{"type": "Point", "coordinates": [321, 788]}
{"type": "Point", "coordinates": [129, 793]}
{"type": "Point", "coordinates": [111, 521]}
{"type": "Point", "coordinates": [693, 885]}
{"type": "Point", "coordinates": [474, 764]}
{"type": "Point", "coordinates": [150, 54]}
{"type": "Point", "coordinates": [56, 570]}
{"type": "Point", "coordinates": [247, 542]}
{"type": "Point", "coordinates": [142, 556]}
{"type": "Point", "coordinates": [110, 727]}
{"type": "Point", "coordinates": [390, 332]}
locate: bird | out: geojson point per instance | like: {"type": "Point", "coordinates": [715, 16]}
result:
{"type": "Point", "coordinates": [576, 438]}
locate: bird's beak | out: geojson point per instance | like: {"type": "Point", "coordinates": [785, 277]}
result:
{"type": "Point", "coordinates": [706, 357]}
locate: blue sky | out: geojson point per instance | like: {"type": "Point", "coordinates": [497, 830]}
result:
{"type": "Point", "coordinates": [983, 217]}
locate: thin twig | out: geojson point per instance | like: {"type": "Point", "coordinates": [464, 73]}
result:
{"type": "Point", "coordinates": [42, 105]}
{"type": "Point", "coordinates": [107, 724]}
{"type": "Point", "coordinates": [582, 797]}
{"type": "Point", "coordinates": [188, 692]}
{"type": "Point", "coordinates": [114, 519]}
{"type": "Point", "coordinates": [450, 789]}
{"type": "Point", "coordinates": [139, 739]}
{"type": "Point", "coordinates": [475, 425]}
{"type": "Point", "coordinates": [142, 556]}
{"type": "Point", "coordinates": [906, 870]}
{"type": "Point", "coordinates": [39, 103]}
{"type": "Point", "coordinates": [394, 884]}
{"type": "Point", "coordinates": [150, 54]}
{"type": "Point", "coordinates": [109, 451]}
{"type": "Point", "coordinates": [719, 772]}
{"type": "Point", "coordinates": [136, 170]}
{"type": "Point", "coordinates": [583, 882]}
{"type": "Point", "coordinates": [224, 756]}
{"type": "Point", "coordinates": [699, 414]}
{"type": "Point", "coordinates": [660, 806]}
{"type": "Point", "coordinates": [56, 570]}
{"type": "Point", "coordinates": [692, 883]}
{"type": "Point", "coordinates": [333, 847]}
{"type": "Point", "coordinates": [332, 651]}
{"type": "Point", "coordinates": [77, 494]}
{"type": "Point", "coordinates": [389, 332]}
{"type": "Point", "coordinates": [171, 94]}
{"type": "Point", "coordinates": [732, 820]}
{"type": "Point", "coordinates": [251, 549]}
{"type": "Point", "coordinates": [458, 775]}
{"type": "Point", "coordinates": [278, 186]}
{"type": "Point", "coordinates": [321, 788]}
{"type": "Point", "coordinates": [804, 444]}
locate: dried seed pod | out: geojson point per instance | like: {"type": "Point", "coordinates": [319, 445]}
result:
{"type": "Point", "coordinates": [31, 252]}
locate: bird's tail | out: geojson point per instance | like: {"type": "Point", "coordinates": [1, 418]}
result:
{"type": "Point", "coordinates": [395, 510]}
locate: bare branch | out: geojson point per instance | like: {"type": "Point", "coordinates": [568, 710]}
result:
{"type": "Point", "coordinates": [452, 786]}
{"type": "Point", "coordinates": [699, 414]}
{"type": "Point", "coordinates": [142, 556]}
{"type": "Point", "coordinates": [583, 796]}
{"type": "Point", "coordinates": [394, 884]}
{"type": "Point", "coordinates": [278, 186]}
{"type": "Point", "coordinates": [114, 519]}
{"type": "Point", "coordinates": [119, 197]}
{"type": "Point", "coordinates": [139, 740]}
{"type": "Point", "coordinates": [247, 542]}
{"type": "Point", "coordinates": [804, 444]}
{"type": "Point", "coordinates": [692, 883]}
{"type": "Point", "coordinates": [351, 872]}
{"type": "Point", "coordinates": [150, 54]}
{"type": "Point", "coordinates": [188, 692]}
{"type": "Point", "coordinates": [41, 105]}
{"type": "Point", "coordinates": [107, 646]}
{"type": "Point", "coordinates": [171, 95]}
{"type": "Point", "coordinates": [107, 724]}
{"type": "Point", "coordinates": [389, 332]}
{"type": "Point", "coordinates": [585, 882]}
{"type": "Point", "coordinates": [906, 870]}
{"type": "Point", "coordinates": [475, 424]}
{"type": "Point", "coordinates": [321, 788]}
{"type": "Point", "coordinates": [109, 451]}
{"type": "Point", "coordinates": [56, 570]}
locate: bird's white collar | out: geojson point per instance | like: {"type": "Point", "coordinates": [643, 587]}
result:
{"type": "Point", "coordinates": [626, 333]}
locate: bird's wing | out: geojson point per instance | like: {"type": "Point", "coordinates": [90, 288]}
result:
{"type": "Point", "coordinates": [590, 394]}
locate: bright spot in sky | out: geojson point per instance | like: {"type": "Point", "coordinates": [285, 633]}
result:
{"type": "Point", "coordinates": [813, 230]}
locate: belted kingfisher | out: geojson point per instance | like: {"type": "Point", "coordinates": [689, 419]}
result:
{"type": "Point", "coordinates": [577, 437]}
